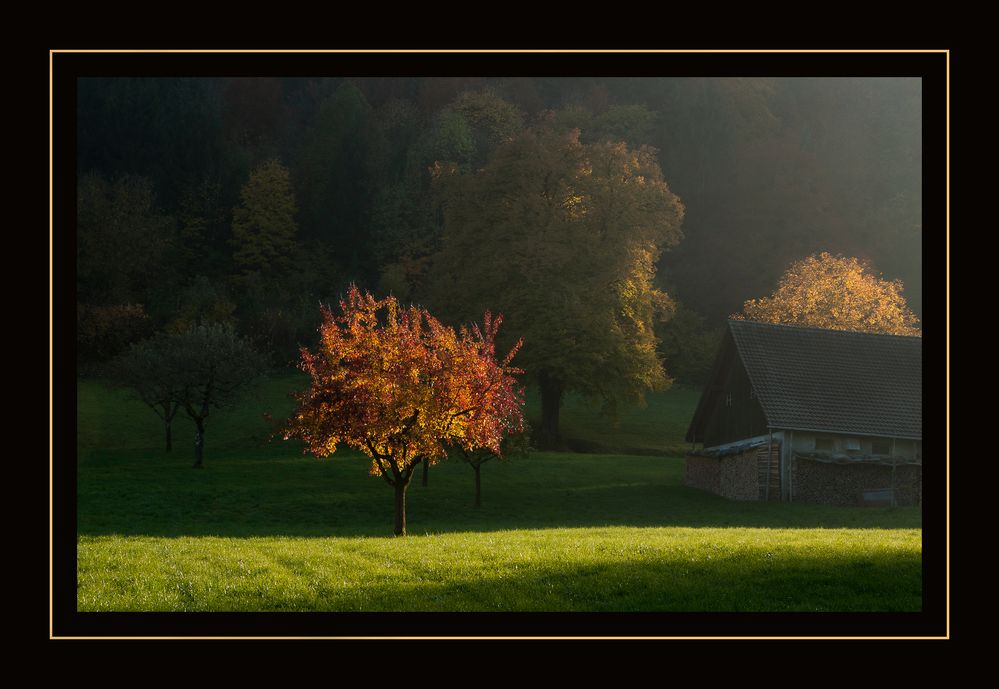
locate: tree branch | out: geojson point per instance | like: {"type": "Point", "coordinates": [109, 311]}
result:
{"type": "Point", "coordinates": [378, 460]}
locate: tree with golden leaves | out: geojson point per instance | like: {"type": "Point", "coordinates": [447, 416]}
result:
{"type": "Point", "coordinates": [401, 387]}
{"type": "Point", "coordinates": [838, 293]}
{"type": "Point", "coordinates": [565, 238]}
{"type": "Point", "coordinates": [263, 225]}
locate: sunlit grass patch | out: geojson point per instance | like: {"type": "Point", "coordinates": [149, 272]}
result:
{"type": "Point", "coordinates": [593, 569]}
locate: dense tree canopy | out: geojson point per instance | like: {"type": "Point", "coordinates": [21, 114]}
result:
{"type": "Point", "coordinates": [263, 225]}
{"type": "Point", "coordinates": [565, 238]}
{"type": "Point", "coordinates": [122, 238]}
{"type": "Point", "coordinates": [401, 387]}
{"type": "Point", "coordinates": [688, 345]}
{"type": "Point", "coordinates": [835, 292]}
{"type": "Point", "coordinates": [769, 170]}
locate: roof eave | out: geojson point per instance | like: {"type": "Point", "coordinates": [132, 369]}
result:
{"type": "Point", "coordinates": [896, 436]}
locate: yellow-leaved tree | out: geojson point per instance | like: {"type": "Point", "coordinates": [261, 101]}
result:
{"type": "Point", "coordinates": [838, 293]}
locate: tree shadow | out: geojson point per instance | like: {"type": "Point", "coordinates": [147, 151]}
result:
{"type": "Point", "coordinates": [319, 510]}
{"type": "Point", "coordinates": [748, 583]}
{"type": "Point", "coordinates": [269, 491]}
{"type": "Point", "coordinates": [657, 579]}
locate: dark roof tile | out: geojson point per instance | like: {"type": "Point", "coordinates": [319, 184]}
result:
{"type": "Point", "coordinates": [834, 380]}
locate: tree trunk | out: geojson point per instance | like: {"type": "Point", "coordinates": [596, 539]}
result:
{"type": "Point", "coordinates": [169, 411]}
{"type": "Point", "coordinates": [426, 471]}
{"type": "Point", "coordinates": [551, 401]}
{"type": "Point", "coordinates": [199, 445]}
{"type": "Point", "coordinates": [478, 485]}
{"type": "Point", "coordinates": [400, 508]}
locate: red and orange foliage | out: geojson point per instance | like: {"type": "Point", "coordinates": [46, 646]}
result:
{"type": "Point", "coordinates": [400, 387]}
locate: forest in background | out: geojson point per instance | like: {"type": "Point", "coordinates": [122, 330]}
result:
{"type": "Point", "coordinates": [175, 173]}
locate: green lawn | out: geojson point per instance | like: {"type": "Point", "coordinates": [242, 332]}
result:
{"type": "Point", "coordinates": [264, 527]}
{"type": "Point", "coordinates": [657, 428]}
{"type": "Point", "coordinates": [108, 419]}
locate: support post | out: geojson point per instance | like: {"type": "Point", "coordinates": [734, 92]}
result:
{"type": "Point", "coordinates": [770, 452]}
{"type": "Point", "coordinates": [892, 450]}
{"type": "Point", "coordinates": [790, 467]}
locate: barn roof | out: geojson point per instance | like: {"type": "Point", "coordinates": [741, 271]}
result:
{"type": "Point", "coordinates": [832, 380]}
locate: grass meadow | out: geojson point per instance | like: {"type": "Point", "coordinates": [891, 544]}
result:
{"type": "Point", "coordinates": [263, 527]}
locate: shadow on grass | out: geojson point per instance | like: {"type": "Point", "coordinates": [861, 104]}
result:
{"type": "Point", "coordinates": [845, 584]}
{"type": "Point", "coordinates": [302, 578]}
{"type": "Point", "coordinates": [253, 487]}
{"type": "Point", "coordinates": [274, 495]}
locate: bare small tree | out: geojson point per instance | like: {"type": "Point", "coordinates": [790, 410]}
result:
{"type": "Point", "coordinates": [512, 445]}
{"type": "Point", "coordinates": [211, 364]}
{"type": "Point", "coordinates": [147, 370]}
{"type": "Point", "coordinates": [197, 370]}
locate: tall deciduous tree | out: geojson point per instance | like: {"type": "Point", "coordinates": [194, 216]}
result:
{"type": "Point", "coordinates": [835, 292]}
{"type": "Point", "coordinates": [491, 121]}
{"type": "Point", "coordinates": [564, 238]}
{"type": "Point", "coordinates": [263, 225]}
{"type": "Point", "coordinates": [400, 387]}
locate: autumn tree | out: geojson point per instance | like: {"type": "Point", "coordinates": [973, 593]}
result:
{"type": "Point", "coordinates": [263, 225]}
{"type": "Point", "coordinates": [564, 238]}
{"type": "Point", "coordinates": [835, 292]}
{"type": "Point", "coordinates": [632, 124]}
{"type": "Point", "coordinates": [401, 387]}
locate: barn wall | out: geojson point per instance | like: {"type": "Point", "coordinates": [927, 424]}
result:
{"type": "Point", "coordinates": [804, 441]}
{"type": "Point", "coordinates": [703, 473]}
{"type": "Point", "coordinates": [825, 483]}
{"type": "Point", "coordinates": [735, 477]}
{"type": "Point", "coordinates": [734, 412]}
{"type": "Point", "coordinates": [740, 478]}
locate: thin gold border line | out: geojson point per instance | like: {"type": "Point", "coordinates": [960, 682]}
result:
{"type": "Point", "coordinates": [51, 435]}
{"type": "Point", "coordinates": [513, 638]}
{"type": "Point", "coordinates": [500, 51]}
{"type": "Point", "coordinates": [945, 52]}
{"type": "Point", "coordinates": [947, 350]}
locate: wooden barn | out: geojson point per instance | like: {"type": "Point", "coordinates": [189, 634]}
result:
{"type": "Point", "coordinates": [811, 415]}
